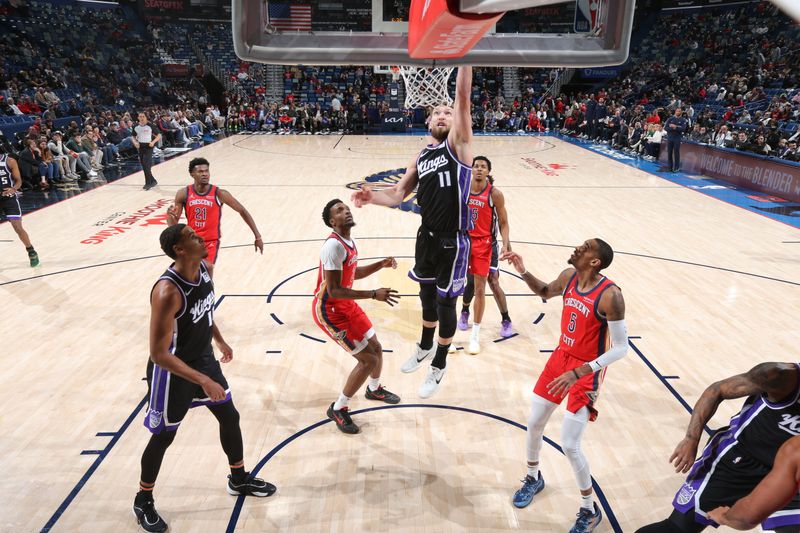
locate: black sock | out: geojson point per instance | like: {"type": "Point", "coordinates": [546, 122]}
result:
{"type": "Point", "coordinates": [144, 496]}
{"type": "Point", "coordinates": [504, 316]}
{"type": "Point", "coordinates": [440, 359]}
{"type": "Point", "coordinates": [426, 340]}
{"type": "Point", "coordinates": [29, 249]}
{"type": "Point", "coordinates": [237, 474]}
{"type": "Point", "coordinates": [465, 309]}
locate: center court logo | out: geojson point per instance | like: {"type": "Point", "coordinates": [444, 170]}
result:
{"type": "Point", "coordinates": [385, 179]}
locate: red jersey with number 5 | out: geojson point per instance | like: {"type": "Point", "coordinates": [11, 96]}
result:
{"type": "Point", "coordinates": [204, 212]}
{"type": "Point", "coordinates": [482, 213]}
{"type": "Point", "coordinates": [584, 331]}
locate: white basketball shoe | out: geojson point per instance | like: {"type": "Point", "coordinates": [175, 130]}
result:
{"type": "Point", "coordinates": [417, 358]}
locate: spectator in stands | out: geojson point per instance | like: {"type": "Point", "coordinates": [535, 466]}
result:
{"type": "Point", "coordinates": [636, 139]}
{"type": "Point", "coordinates": [91, 148]}
{"type": "Point", "coordinates": [654, 142]}
{"type": "Point", "coordinates": [32, 166]}
{"type": "Point", "coordinates": [723, 137]}
{"type": "Point", "coordinates": [741, 142]}
{"type": "Point", "coordinates": [51, 170]}
{"type": "Point", "coordinates": [675, 126]}
{"type": "Point", "coordinates": [60, 157]}
{"type": "Point", "coordinates": [791, 154]}
{"type": "Point", "coordinates": [761, 147]}
{"type": "Point", "coordinates": [781, 149]}
{"type": "Point", "coordinates": [83, 160]}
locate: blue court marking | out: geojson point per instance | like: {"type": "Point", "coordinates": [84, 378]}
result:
{"type": "Point", "coordinates": [634, 337]}
{"type": "Point", "coordinates": [276, 319]}
{"type": "Point", "coordinates": [273, 352]}
{"type": "Point", "coordinates": [717, 189]}
{"type": "Point", "coordinates": [313, 338]}
{"type": "Point", "coordinates": [663, 380]}
{"type": "Point", "coordinates": [237, 508]}
{"type": "Point", "coordinates": [105, 434]}
{"type": "Point", "coordinates": [671, 377]}
{"type": "Point", "coordinates": [219, 302]}
{"type": "Point", "coordinates": [91, 452]}
{"type": "Point", "coordinates": [539, 318]}
{"type": "Point", "coordinates": [501, 339]}
{"type": "Point", "coordinates": [545, 351]}
{"type": "Point", "coordinates": [387, 351]}
{"type": "Point", "coordinates": [95, 465]}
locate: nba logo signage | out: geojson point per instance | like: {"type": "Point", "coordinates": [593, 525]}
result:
{"type": "Point", "coordinates": [586, 15]}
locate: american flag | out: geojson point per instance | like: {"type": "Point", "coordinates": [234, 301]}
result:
{"type": "Point", "coordinates": [290, 16]}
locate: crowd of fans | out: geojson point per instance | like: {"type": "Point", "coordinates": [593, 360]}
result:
{"type": "Point", "coordinates": [733, 73]}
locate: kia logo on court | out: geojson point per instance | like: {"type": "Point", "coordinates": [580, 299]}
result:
{"type": "Point", "coordinates": [384, 180]}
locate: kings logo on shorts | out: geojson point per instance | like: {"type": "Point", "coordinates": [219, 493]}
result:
{"type": "Point", "coordinates": [155, 418]}
{"type": "Point", "coordinates": [386, 179]}
{"type": "Point", "coordinates": [686, 494]}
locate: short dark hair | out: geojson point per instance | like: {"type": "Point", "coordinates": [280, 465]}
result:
{"type": "Point", "coordinates": [196, 162]}
{"type": "Point", "coordinates": [326, 212]}
{"type": "Point", "coordinates": [604, 253]}
{"type": "Point", "coordinates": [170, 237]}
{"type": "Point", "coordinates": [482, 158]}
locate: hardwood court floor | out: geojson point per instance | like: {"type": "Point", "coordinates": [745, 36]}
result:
{"type": "Point", "coordinates": [711, 290]}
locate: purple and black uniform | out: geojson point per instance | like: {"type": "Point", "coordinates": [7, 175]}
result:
{"type": "Point", "coordinates": [442, 249]}
{"type": "Point", "coordinates": [9, 205]}
{"type": "Point", "coordinates": [737, 457]}
{"type": "Point", "coordinates": [171, 396]}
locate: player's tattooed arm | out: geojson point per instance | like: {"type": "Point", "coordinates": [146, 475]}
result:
{"type": "Point", "coordinates": [775, 380]}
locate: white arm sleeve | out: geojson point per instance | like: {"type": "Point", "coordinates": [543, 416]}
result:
{"type": "Point", "coordinates": [332, 255]}
{"type": "Point", "coordinates": [619, 345]}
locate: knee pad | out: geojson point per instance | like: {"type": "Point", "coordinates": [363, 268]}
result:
{"type": "Point", "coordinates": [446, 308]}
{"type": "Point", "coordinates": [427, 295]}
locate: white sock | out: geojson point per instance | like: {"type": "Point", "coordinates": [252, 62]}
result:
{"type": "Point", "coordinates": [533, 470]}
{"type": "Point", "coordinates": [587, 502]}
{"type": "Point", "coordinates": [476, 329]}
{"type": "Point", "coordinates": [374, 383]}
{"type": "Point", "coordinates": [341, 402]}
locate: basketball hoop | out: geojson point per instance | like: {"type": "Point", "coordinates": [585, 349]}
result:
{"type": "Point", "coordinates": [426, 87]}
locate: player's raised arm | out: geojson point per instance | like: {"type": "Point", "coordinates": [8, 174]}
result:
{"type": "Point", "coordinates": [392, 196]}
{"type": "Point", "coordinates": [461, 133]}
{"type": "Point", "coordinates": [539, 287]}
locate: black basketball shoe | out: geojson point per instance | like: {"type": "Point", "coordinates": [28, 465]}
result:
{"type": "Point", "coordinates": [343, 420]}
{"type": "Point", "coordinates": [382, 395]}
{"type": "Point", "coordinates": [146, 514]}
{"type": "Point", "coordinates": [250, 486]}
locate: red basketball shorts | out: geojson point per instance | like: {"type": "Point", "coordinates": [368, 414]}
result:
{"type": "Point", "coordinates": [481, 256]}
{"type": "Point", "coordinates": [213, 248]}
{"type": "Point", "coordinates": [583, 392]}
{"type": "Point", "coordinates": [343, 321]}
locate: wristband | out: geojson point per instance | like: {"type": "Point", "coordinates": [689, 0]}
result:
{"type": "Point", "coordinates": [526, 271]}
{"type": "Point", "coordinates": [374, 292]}
{"type": "Point", "coordinates": [576, 374]}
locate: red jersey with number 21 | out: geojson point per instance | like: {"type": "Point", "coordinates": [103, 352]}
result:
{"type": "Point", "coordinates": [204, 212]}
{"type": "Point", "coordinates": [584, 331]}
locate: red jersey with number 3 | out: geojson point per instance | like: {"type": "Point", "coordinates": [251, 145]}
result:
{"type": "Point", "coordinates": [349, 267]}
{"type": "Point", "coordinates": [482, 212]}
{"type": "Point", "coordinates": [204, 212]}
{"type": "Point", "coordinates": [584, 331]}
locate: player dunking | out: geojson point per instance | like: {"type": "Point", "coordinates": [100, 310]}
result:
{"type": "Point", "coordinates": [442, 248]}
{"type": "Point", "coordinates": [182, 371]}
{"type": "Point", "coordinates": [203, 203]}
{"type": "Point", "coordinates": [10, 184]}
{"type": "Point", "coordinates": [593, 308]}
{"type": "Point", "coordinates": [488, 208]}
{"type": "Point", "coordinates": [737, 457]}
{"type": "Point", "coordinates": [343, 320]}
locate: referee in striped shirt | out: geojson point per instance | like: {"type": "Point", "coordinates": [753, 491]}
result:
{"type": "Point", "coordinates": [144, 141]}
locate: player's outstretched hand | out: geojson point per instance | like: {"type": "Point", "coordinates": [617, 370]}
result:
{"type": "Point", "coordinates": [362, 197]}
{"type": "Point", "coordinates": [389, 262]}
{"type": "Point", "coordinates": [259, 244]}
{"type": "Point", "coordinates": [213, 390]}
{"type": "Point", "coordinates": [390, 296]}
{"type": "Point", "coordinates": [227, 352]}
{"type": "Point", "coordinates": [514, 259]}
{"type": "Point", "coordinates": [718, 515]}
{"type": "Point", "coordinates": [683, 456]}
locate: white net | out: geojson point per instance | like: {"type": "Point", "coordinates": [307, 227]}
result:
{"type": "Point", "coordinates": [426, 87]}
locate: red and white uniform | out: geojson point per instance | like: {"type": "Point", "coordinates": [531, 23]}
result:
{"type": "Point", "coordinates": [584, 338]}
{"type": "Point", "coordinates": [342, 320]}
{"type": "Point", "coordinates": [203, 215]}
{"type": "Point", "coordinates": [482, 234]}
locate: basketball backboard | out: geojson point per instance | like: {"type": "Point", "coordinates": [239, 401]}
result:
{"type": "Point", "coordinates": [576, 33]}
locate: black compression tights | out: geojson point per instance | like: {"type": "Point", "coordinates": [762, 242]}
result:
{"type": "Point", "coordinates": [230, 436]}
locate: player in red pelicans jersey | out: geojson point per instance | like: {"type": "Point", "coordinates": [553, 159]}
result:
{"type": "Point", "coordinates": [202, 203]}
{"type": "Point", "coordinates": [342, 319]}
{"type": "Point", "coordinates": [594, 310]}
{"type": "Point", "coordinates": [488, 210]}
